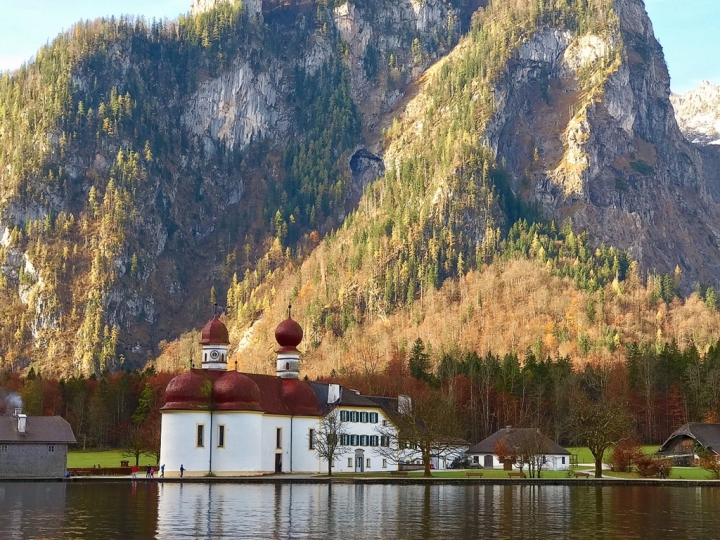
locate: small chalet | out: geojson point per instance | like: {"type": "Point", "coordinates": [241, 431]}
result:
{"type": "Point", "coordinates": [484, 452]}
{"type": "Point", "coordinates": [685, 440]}
{"type": "Point", "coordinates": [34, 446]}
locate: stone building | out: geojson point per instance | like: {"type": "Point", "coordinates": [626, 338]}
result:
{"type": "Point", "coordinates": [34, 446]}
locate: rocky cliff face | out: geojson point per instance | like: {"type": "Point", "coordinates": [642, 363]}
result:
{"type": "Point", "coordinates": [222, 123]}
{"type": "Point", "coordinates": [698, 113]}
{"type": "Point", "coordinates": [596, 141]}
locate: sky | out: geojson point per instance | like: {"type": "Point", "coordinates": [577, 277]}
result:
{"type": "Point", "coordinates": [688, 30]}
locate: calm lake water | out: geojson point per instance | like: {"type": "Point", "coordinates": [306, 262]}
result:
{"type": "Point", "coordinates": [176, 511]}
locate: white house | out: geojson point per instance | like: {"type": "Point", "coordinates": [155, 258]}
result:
{"type": "Point", "coordinates": [520, 440]}
{"type": "Point", "coordinates": [222, 422]}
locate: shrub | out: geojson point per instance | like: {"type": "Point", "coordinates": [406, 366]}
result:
{"type": "Point", "coordinates": [647, 466]}
{"type": "Point", "coordinates": [664, 467]}
{"type": "Point", "coordinates": [710, 463]}
{"type": "Point", "coordinates": [624, 456]}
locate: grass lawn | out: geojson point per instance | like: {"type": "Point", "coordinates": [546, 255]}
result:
{"type": "Point", "coordinates": [585, 456]}
{"type": "Point", "coordinates": [104, 458]}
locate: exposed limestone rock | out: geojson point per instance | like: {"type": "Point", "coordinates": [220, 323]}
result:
{"type": "Point", "coordinates": [608, 153]}
{"type": "Point", "coordinates": [253, 7]}
{"type": "Point", "coordinates": [698, 113]}
{"type": "Point", "coordinates": [238, 107]}
{"type": "Point", "coordinates": [366, 167]}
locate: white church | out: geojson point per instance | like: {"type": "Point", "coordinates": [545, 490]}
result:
{"type": "Point", "coordinates": [229, 423]}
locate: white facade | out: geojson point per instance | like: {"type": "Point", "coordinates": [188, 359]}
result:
{"type": "Point", "coordinates": [249, 442]}
{"type": "Point", "coordinates": [363, 441]}
{"type": "Point", "coordinates": [553, 462]}
{"type": "Point", "coordinates": [227, 423]}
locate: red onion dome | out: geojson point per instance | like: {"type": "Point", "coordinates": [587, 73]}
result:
{"type": "Point", "coordinates": [234, 391]}
{"type": "Point", "coordinates": [288, 334]}
{"type": "Point", "coordinates": [299, 397]}
{"type": "Point", "coordinates": [188, 391]}
{"type": "Point", "coordinates": [215, 333]}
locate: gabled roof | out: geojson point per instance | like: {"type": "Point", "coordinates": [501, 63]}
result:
{"type": "Point", "coordinates": [348, 398]}
{"type": "Point", "coordinates": [514, 437]}
{"type": "Point", "coordinates": [707, 435]}
{"type": "Point", "coordinates": [38, 429]}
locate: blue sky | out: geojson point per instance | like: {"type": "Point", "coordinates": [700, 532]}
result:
{"type": "Point", "coordinates": [688, 30]}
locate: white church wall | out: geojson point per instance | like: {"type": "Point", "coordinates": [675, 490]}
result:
{"type": "Point", "coordinates": [178, 442]}
{"type": "Point", "coordinates": [270, 425]}
{"type": "Point", "coordinates": [241, 451]}
{"type": "Point", "coordinates": [304, 459]}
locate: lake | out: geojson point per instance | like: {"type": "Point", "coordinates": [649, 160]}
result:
{"type": "Point", "coordinates": [352, 511]}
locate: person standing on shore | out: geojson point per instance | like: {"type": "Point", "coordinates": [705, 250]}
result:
{"type": "Point", "coordinates": [182, 470]}
{"type": "Point", "coordinates": [162, 471]}
{"type": "Point", "coordinates": [134, 471]}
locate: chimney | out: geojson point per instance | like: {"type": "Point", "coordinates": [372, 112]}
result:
{"type": "Point", "coordinates": [18, 411]}
{"type": "Point", "coordinates": [22, 419]}
{"type": "Point", "coordinates": [333, 393]}
{"type": "Point", "coordinates": [404, 404]}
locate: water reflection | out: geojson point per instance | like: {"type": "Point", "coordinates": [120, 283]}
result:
{"type": "Point", "coordinates": [349, 511]}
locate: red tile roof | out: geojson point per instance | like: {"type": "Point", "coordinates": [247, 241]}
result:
{"type": "Point", "coordinates": [201, 389]}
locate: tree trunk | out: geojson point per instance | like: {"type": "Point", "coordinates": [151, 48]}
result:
{"type": "Point", "coordinates": [330, 467]}
{"type": "Point", "coordinates": [598, 466]}
{"type": "Point", "coordinates": [426, 462]}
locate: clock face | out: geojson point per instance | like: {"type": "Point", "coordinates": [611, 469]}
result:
{"type": "Point", "coordinates": [214, 355]}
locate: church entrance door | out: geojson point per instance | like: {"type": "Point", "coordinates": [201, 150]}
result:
{"type": "Point", "coordinates": [278, 463]}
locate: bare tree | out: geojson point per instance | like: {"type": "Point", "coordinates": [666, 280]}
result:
{"type": "Point", "coordinates": [135, 446]}
{"type": "Point", "coordinates": [327, 441]}
{"type": "Point", "coordinates": [425, 426]}
{"type": "Point", "coordinates": [531, 450]}
{"type": "Point", "coordinates": [601, 423]}
{"type": "Point", "coordinates": [521, 447]}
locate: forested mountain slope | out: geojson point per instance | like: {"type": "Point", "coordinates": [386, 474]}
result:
{"type": "Point", "coordinates": [140, 165]}
{"type": "Point", "coordinates": [147, 169]}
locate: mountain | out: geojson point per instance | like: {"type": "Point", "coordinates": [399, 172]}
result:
{"type": "Point", "coordinates": [698, 113]}
{"type": "Point", "coordinates": [374, 159]}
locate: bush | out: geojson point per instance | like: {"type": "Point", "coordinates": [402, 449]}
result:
{"type": "Point", "coordinates": [647, 466]}
{"type": "Point", "coordinates": [710, 463]}
{"type": "Point", "coordinates": [665, 466]}
{"type": "Point", "coordinates": [624, 456]}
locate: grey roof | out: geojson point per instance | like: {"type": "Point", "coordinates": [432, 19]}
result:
{"type": "Point", "coordinates": [348, 397]}
{"type": "Point", "coordinates": [38, 429]}
{"type": "Point", "coordinates": [514, 436]}
{"type": "Point", "coordinates": [706, 434]}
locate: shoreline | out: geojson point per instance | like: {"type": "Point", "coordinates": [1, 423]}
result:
{"type": "Point", "coordinates": [307, 479]}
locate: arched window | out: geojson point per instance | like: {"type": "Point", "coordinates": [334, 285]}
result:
{"type": "Point", "coordinates": [222, 357]}
{"type": "Point", "coordinates": [287, 366]}
{"type": "Point", "coordinates": [205, 358]}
